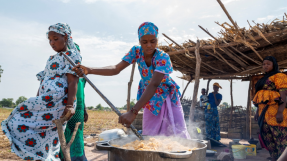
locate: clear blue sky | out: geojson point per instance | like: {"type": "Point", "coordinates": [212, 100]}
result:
{"type": "Point", "coordinates": [105, 31]}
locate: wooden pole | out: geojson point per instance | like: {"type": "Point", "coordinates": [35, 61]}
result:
{"type": "Point", "coordinates": [59, 124]}
{"type": "Point", "coordinates": [248, 110]}
{"type": "Point", "coordinates": [186, 87]}
{"type": "Point", "coordinates": [130, 86]}
{"type": "Point", "coordinates": [211, 47]}
{"type": "Point", "coordinates": [235, 25]}
{"type": "Point", "coordinates": [231, 110]}
{"type": "Point", "coordinates": [196, 83]}
{"type": "Point", "coordinates": [229, 17]}
{"type": "Point", "coordinates": [207, 88]}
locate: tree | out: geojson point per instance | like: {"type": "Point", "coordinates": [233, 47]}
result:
{"type": "Point", "coordinates": [90, 107]}
{"type": "Point", "coordinates": [20, 100]}
{"type": "Point", "coordinates": [7, 102]}
{"type": "Point", "coordinates": [1, 71]}
{"type": "Point", "coordinates": [132, 104]}
{"type": "Point", "coordinates": [99, 107]}
{"type": "Point", "coordinates": [225, 104]}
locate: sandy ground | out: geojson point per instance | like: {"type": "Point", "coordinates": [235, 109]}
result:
{"type": "Point", "coordinates": [95, 155]}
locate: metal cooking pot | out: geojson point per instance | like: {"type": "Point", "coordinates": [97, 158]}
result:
{"type": "Point", "coordinates": [118, 154]}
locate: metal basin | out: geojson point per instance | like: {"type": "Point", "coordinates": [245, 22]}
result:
{"type": "Point", "coordinates": [118, 154]}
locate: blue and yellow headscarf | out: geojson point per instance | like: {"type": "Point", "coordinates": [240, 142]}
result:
{"type": "Point", "coordinates": [147, 28]}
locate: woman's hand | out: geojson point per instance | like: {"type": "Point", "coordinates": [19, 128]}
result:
{"type": "Point", "coordinates": [67, 108]}
{"type": "Point", "coordinates": [279, 117]}
{"type": "Point", "coordinates": [256, 115]}
{"type": "Point", "coordinates": [127, 118]}
{"type": "Point", "coordinates": [80, 70]}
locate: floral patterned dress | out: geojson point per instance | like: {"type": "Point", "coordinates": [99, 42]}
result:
{"type": "Point", "coordinates": [163, 114]}
{"type": "Point", "coordinates": [273, 133]}
{"type": "Point", "coordinates": [29, 127]}
{"type": "Point", "coordinates": [160, 63]}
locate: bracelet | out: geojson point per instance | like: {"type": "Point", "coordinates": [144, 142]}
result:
{"type": "Point", "coordinates": [135, 111]}
{"type": "Point", "coordinates": [69, 105]}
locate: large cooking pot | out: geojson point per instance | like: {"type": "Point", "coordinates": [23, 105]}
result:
{"type": "Point", "coordinates": [118, 154]}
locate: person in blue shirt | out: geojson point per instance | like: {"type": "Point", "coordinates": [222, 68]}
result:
{"type": "Point", "coordinates": [211, 115]}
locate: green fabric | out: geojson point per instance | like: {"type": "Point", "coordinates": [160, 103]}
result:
{"type": "Point", "coordinates": [77, 148]}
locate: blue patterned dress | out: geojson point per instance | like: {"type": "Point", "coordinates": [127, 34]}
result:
{"type": "Point", "coordinates": [29, 127]}
{"type": "Point", "coordinates": [160, 63]}
{"type": "Point", "coordinates": [212, 119]}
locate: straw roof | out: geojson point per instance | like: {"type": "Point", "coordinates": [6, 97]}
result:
{"type": "Point", "coordinates": [236, 54]}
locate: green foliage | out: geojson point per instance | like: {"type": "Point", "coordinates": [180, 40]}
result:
{"type": "Point", "coordinates": [90, 107]}
{"type": "Point", "coordinates": [7, 102]}
{"type": "Point", "coordinates": [20, 100]}
{"type": "Point", "coordinates": [1, 71]}
{"type": "Point", "coordinates": [132, 104]}
{"type": "Point", "coordinates": [225, 104]}
{"type": "Point", "coordinates": [99, 107]}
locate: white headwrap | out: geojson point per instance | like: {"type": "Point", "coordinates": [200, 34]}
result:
{"type": "Point", "coordinates": [63, 29]}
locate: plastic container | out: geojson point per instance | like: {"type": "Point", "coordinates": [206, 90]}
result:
{"type": "Point", "coordinates": [239, 151]}
{"type": "Point", "coordinates": [111, 134]}
{"type": "Point", "coordinates": [250, 150]}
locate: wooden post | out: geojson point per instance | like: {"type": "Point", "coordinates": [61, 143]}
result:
{"type": "Point", "coordinates": [130, 86]}
{"type": "Point", "coordinates": [207, 88]}
{"type": "Point", "coordinates": [196, 83]}
{"type": "Point", "coordinates": [236, 26]}
{"type": "Point", "coordinates": [248, 110]}
{"type": "Point", "coordinates": [231, 110]}
{"type": "Point", "coordinates": [59, 124]}
{"type": "Point", "coordinates": [186, 87]}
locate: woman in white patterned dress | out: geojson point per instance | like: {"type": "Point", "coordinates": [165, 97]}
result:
{"type": "Point", "coordinates": [29, 128]}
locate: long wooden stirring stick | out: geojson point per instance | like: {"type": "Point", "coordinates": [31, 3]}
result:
{"type": "Point", "coordinates": [103, 97]}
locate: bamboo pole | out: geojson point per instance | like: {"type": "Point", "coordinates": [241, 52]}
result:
{"type": "Point", "coordinates": [59, 124]}
{"type": "Point", "coordinates": [248, 110]}
{"type": "Point", "coordinates": [129, 87]}
{"type": "Point", "coordinates": [196, 84]}
{"type": "Point", "coordinates": [231, 110]}
{"type": "Point", "coordinates": [186, 87]}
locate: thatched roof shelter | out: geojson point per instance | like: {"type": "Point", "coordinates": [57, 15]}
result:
{"type": "Point", "coordinates": [237, 53]}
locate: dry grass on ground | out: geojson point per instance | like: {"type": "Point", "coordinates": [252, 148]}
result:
{"type": "Point", "coordinates": [98, 122]}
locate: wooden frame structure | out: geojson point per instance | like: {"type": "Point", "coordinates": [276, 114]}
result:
{"type": "Point", "coordinates": [236, 54]}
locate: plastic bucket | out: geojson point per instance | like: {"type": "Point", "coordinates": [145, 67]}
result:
{"type": "Point", "coordinates": [238, 151]}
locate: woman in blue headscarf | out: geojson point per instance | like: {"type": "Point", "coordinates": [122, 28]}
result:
{"type": "Point", "coordinates": [157, 93]}
{"type": "Point", "coordinates": [29, 127]}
